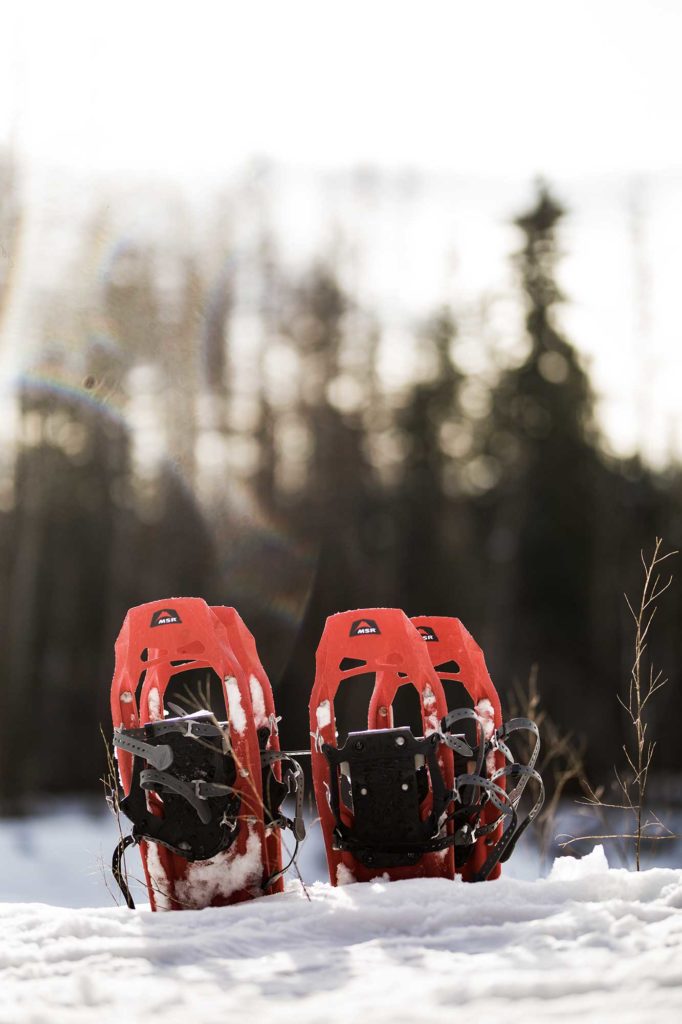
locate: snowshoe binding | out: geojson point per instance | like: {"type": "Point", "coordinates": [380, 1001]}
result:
{"type": "Point", "coordinates": [486, 815]}
{"type": "Point", "coordinates": [201, 774]}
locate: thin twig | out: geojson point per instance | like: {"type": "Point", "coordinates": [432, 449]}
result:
{"type": "Point", "coordinates": [638, 751]}
{"type": "Point", "coordinates": [112, 796]}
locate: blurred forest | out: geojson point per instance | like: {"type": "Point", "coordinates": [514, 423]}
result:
{"type": "Point", "coordinates": [158, 445]}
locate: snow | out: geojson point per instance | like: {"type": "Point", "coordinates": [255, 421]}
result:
{"type": "Point", "coordinates": [60, 854]}
{"type": "Point", "coordinates": [344, 875]}
{"type": "Point", "coordinates": [567, 869]}
{"type": "Point", "coordinates": [207, 879]}
{"type": "Point", "coordinates": [57, 854]}
{"type": "Point", "coordinates": [154, 701]}
{"type": "Point", "coordinates": [323, 714]}
{"type": "Point", "coordinates": [258, 702]}
{"type": "Point", "coordinates": [486, 716]}
{"type": "Point", "coordinates": [236, 710]}
{"type": "Point", "coordinates": [588, 941]}
{"type": "Point", "coordinates": [606, 943]}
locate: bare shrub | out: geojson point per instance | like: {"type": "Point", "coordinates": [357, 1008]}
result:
{"type": "Point", "coordinates": [630, 782]}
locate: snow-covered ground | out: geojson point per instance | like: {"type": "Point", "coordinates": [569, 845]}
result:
{"type": "Point", "coordinates": [60, 854]}
{"type": "Point", "coordinates": [588, 941]}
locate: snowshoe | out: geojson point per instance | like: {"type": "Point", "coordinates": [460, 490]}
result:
{"type": "Point", "coordinates": [383, 793]}
{"type": "Point", "coordinates": [201, 775]}
{"type": "Point", "coordinates": [398, 805]}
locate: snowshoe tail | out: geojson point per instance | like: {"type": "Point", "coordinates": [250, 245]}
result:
{"type": "Point", "coordinates": [195, 733]}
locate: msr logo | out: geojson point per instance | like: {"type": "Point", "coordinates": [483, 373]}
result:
{"type": "Point", "coordinates": [165, 617]}
{"type": "Point", "coordinates": [363, 627]}
{"type": "Point", "coordinates": [427, 633]}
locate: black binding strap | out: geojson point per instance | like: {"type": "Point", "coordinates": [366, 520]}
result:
{"type": "Point", "coordinates": [274, 792]}
{"type": "Point", "coordinates": [194, 773]}
{"type": "Point", "coordinates": [200, 804]}
{"type": "Point", "coordinates": [523, 773]}
{"type": "Point", "coordinates": [503, 849]}
{"type": "Point", "coordinates": [121, 877]}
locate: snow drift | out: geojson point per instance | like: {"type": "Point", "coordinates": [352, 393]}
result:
{"type": "Point", "coordinates": [587, 941]}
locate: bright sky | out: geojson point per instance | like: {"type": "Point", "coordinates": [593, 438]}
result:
{"type": "Point", "coordinates": [586, 92]}
{"type": "Point", "coordinates": [567, 87]}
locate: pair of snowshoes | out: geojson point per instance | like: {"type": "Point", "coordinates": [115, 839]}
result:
{"type": "Point", "coordinates": [203, 779]}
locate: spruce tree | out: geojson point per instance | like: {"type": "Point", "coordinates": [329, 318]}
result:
{"type": "Point", "coordinates": [542, 431]}
{"type": "Point", "coordinates": [430, 519]}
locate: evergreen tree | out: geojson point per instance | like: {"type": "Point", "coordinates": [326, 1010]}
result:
{"type": "Point", "coordinates": [542, 432]}
{"type": "Point", "coordinates": [330, 510]}
{"type": "Point", "coordinates": [432, 520]}
{"type": "Point", "coordinates": [63, 577]}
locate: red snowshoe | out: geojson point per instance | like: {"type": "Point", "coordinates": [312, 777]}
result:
{"type": "Point", "coordinates": [397, 805]}
{"type": "Point", "coordinates": [198, 755]}
{"type": "Point", "coordinates": [383, 795]}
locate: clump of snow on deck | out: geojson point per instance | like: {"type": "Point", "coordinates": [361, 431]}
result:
{"type": "Point", "coordinates": [485, 713]}
{"type": "Point", "coordinates": [323, 713]}
{"type": "Point", "coordinates": [222, 876]}
{"type": "Point", "coordinates": [237, 715]}
{"type": "Point", "coordinates": [258, 702]}
{"type": "Point", "coordinates": [154, 703]}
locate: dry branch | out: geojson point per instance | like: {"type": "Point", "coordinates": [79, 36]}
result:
{"type": "Point", "coordinates": [638, 750]}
